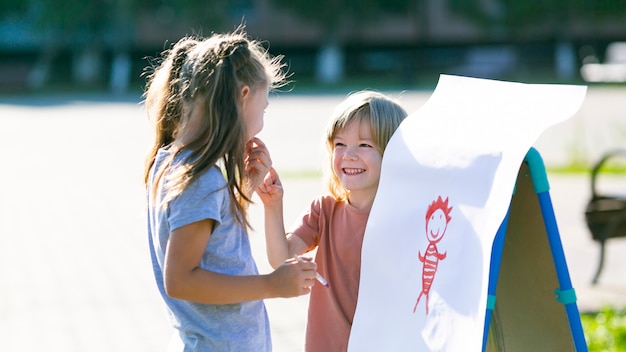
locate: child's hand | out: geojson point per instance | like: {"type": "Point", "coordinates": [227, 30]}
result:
{"type": "Point", "coordinates": [257, 162]}
{"type": "Point", "coordinates": [271, 190]}
{"type": "Point", "coordinates": [293, 278]}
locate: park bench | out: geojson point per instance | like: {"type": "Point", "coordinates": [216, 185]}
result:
{"type": "Point", "coordinates": [605, 214]}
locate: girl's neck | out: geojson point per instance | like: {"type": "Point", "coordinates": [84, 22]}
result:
{"type": "Point", "coordinates": [361, 201]}
{"type": "Point", "coordinates": [179, 143]}
{"type": "Point", "coordinates": [189, 130]}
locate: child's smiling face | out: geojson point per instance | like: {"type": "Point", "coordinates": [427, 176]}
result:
{"type": "Point", "coordinates": [357, 159]}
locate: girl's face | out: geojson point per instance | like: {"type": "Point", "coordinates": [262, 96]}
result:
{"type": "Point", "coordinates": [254, 102]}
{"type": "Point", "coordinates": [356, 159]}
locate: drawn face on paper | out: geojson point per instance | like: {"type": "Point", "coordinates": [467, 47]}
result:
{"type": "Point", "coordinates": [436, 226]}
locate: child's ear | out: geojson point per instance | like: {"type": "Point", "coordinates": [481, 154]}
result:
{"type": "Point", "coordinates": [245, 90]}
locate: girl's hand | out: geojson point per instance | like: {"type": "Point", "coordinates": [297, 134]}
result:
{"type": "Point", "coordinates": [257, 163]}
{"type": "Point", "coordinates": [293, 278]}
{"type": "Point", "coordinates": [271, 190]}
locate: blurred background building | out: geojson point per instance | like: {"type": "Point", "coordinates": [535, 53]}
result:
{"type": "Point", "coordinates": [105, 44]}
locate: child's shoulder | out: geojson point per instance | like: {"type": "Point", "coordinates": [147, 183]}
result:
{"type": "Point", "coordinates": [208, 182]}
{"type": "Point", "coordinates": [326, 201]}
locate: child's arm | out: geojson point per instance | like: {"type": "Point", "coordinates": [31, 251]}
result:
{"type": "Point", "coordinates": [185, 280]}
{"type": "Point", "coordinates": [279, 246]}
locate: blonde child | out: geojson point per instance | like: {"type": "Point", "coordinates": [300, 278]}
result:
{"type": "Point", "coordinates": [207, 99]}
{"type": "Point", "coordinates": [356, 137]}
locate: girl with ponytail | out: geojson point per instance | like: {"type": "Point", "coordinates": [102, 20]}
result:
{"type": "Point", "coordinates": [206, 99]}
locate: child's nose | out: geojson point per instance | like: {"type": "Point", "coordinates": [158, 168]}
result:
{"type": "Point", "coordinates": [350, 154]}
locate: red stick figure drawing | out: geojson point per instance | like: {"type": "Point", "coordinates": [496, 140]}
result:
{"type": "Point", "coordinates": [437, 219]}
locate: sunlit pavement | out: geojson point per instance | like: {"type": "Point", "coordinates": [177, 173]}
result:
{"type": "Point", "coordinates": [74, 267]}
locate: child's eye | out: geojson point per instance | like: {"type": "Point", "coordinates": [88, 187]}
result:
{"type": "Point", "coordinates": [338, 144]}
{"type": "Point", "coordinates": [365, 145]}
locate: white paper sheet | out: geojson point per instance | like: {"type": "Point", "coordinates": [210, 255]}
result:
{"type": "Point", "coordinates": [459, 155]}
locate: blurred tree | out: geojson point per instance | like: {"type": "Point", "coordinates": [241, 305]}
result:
{"type": "Point", "coordinates": [85, 28]}
{"type": "Point", "coordinates": [203, 13]}
{"type": "Point", "coordinates": [511, 19]}
{"type": "Point", "coordinates": [89, 29]}
{"type": "Point", "coordinates": [8, 7]}
{"type": "Point", "coordinates": [81, 27]}
{"type": "Point", "coordinates": [515, 16]}
{"type": "Point", "coordinates": [196, 14]}
{"type": "Point", "coordinates": [191, 15]}
{"type": "Point", "coordinates": [335, 15]}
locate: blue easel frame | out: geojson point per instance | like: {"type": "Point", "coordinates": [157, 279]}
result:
{"type": "Point", "coordinates": [565, 294]}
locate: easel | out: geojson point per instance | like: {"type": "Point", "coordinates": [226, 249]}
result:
{"type": "Point", "coordinates": [535, 309]}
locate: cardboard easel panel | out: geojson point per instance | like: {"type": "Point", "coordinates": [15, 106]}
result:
{"type": "Point", "coordinates": [527, 316]}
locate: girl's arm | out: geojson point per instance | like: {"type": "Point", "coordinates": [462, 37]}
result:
{"type": "Point", "coordinates": [185, 280]}
{"type": "Point", "coordinates": [279, 246]}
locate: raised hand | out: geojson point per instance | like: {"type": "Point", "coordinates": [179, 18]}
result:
{"type": "Point", "coordinates": [271, 190]}
{"type": "Point", "coordinates": [257, 163]}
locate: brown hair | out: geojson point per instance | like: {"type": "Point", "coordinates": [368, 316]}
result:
{"type": "Point", "coordinates": [205, 76]}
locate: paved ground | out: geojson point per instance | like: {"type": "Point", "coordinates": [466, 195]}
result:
{"type": "Point", "coordinates": [74, 268]}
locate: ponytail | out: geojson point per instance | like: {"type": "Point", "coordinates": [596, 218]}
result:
{"type": "Point", "coordinates": [163, 102]}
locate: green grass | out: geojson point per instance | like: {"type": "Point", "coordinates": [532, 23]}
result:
{"type": "Point", "coordinates": [575, 169]}
{"type": "Point", "coordinates": [610, 168]}
{"type": "Point", "coordinates": [605, 331]}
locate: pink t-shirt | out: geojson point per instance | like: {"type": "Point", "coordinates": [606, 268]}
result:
{"type": "Point", "coordinates": [336, 229]}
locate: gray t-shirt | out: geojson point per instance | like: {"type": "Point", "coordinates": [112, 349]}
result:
{"type": "Point", "coordinates": [207, 327]}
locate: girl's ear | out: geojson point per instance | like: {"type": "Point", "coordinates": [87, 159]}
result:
{"type": "Point", "coordinates": [245, 90]}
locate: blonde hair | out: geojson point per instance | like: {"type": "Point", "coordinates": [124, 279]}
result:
{"type": "Point", "coordinates": [383, 115]}
{"type": "Point", "coordinates": [205, 75]}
